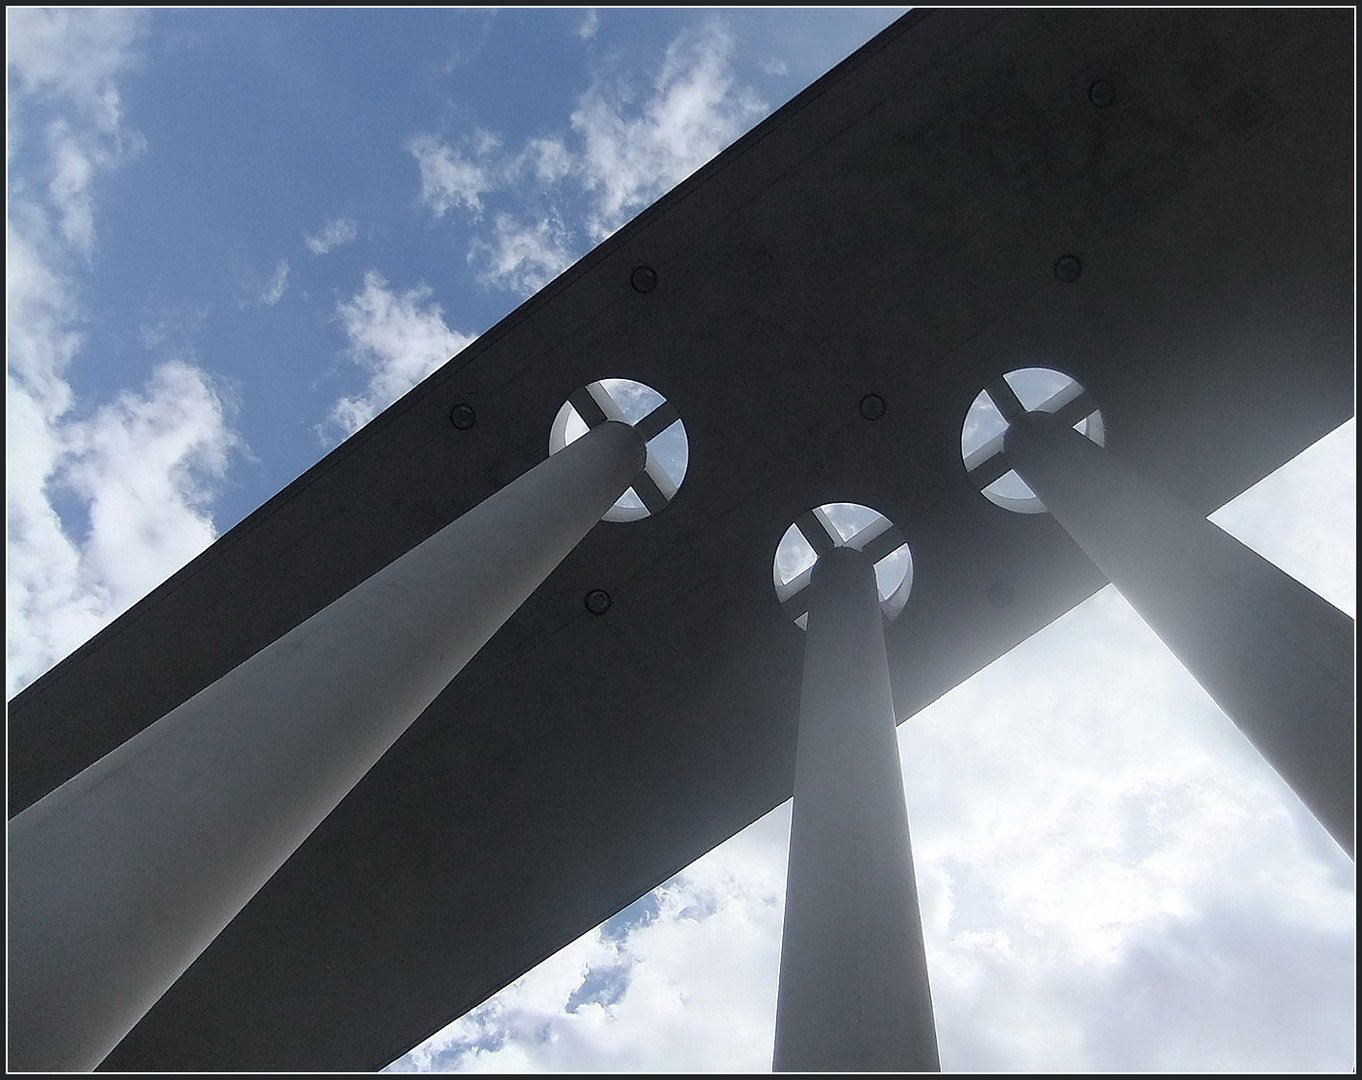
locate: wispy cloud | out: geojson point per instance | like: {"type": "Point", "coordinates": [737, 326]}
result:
{"type": "Point", "coordinates": [142, 467]}
{"type": "Point", "coordinates": [449, 178]}
{"type": "Point", "coordinates": [630, 157]}
{"type": "Point", "coordinates": [70, 60]}
{"type": "Point", "coordinates": [547, 159]}
{"type": "Point", "coordinates": [586, 29]}
{"type": "Point", "coordinates": [332, 235]}
{"type": "Point", "coordinates": [620, 150]}
{"type": "Point", "coordinates": [73, 56]}
{"type": "Point", "coordinates": [522, 257]}
{"type": "Point", "coordinates": [277, 286]}
{"type": "Point", "coordinates": [398, 338]}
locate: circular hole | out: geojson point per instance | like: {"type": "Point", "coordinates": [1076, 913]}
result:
{"type": "Point", "coordinates": [643, 279]}
{"type": "Point", "coordinates": [1102, 93]}
{"type": "Point", "coordinates": [1068, 268]}
{"type": "Point", "coordinates": [842, 525]}
{"type": "Point", "coordinates": [462, 416]}
{"type": "Point", "coordinates": [597, 601]}
{"type": "Point", "coordinates": [642, 407]}
{"type": "Point", "coordinates": [981, 437]}
{"type": "Point", "coordinates": [872, 406]}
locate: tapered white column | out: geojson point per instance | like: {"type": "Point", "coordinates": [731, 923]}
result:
{"type": "Point", "coordinates": [1276, 657]}
{"type": "Point", "coordinates": [122, 876]}
{"type": "Point", "coordinates": [853, 994]}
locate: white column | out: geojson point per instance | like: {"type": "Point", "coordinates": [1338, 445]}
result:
{"type": "Point", "coordinates": [853, 994]}
{"type": "Point", "coordinates": [122, 876]}
{"type": "Point", "coordinates": [1276, 657]}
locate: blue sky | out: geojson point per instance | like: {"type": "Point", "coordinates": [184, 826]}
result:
{"type": "Point", "coordinates": [233, 236]}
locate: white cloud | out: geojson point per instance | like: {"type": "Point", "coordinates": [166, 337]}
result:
{"type": "Point", "coordinates": [142, 467]}
{"type": "Point", "coordinates": [332, 235]}
{"type": "Point", "coordinates": [72, 55]}
{"type": "Point", "coordinates": [277, 286]}
{"type": "Point", "coordinates": [1079, 809]}
{"type": "Point", "coordinates": [549, 160]}
{"type": "Point", "coordinates": [40, 340]}
{"type": "Point", "coordinates": [74, 161]}
{"type": "Point", "coordinates": [586, 29]}
{"type": "Point", "coordinates": [629, 159]}
{"type": "Point", "coordinates": [1319, 484]}
{"type": "Point", "coordinates": [449, 180]}
{"type": "Point", "coordinates": [48, 610]}
{"type": "Point", "coordinates": [522, 257]}
{"type": "Point", "coordinates": [70, 58]}
{"type": "Point", "coordinates": [399, 339]}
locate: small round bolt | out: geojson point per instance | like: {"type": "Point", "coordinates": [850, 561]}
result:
{"type": "Point", "coordinates": [462, 416]}
{"type": "Point", "coordinates": [1102, 93]}
{"type": "Point", "coordinates": [1000, 594]}
{"type": "Point", "coordinates": [872, 406]}
{"type": "Point", "coordinates": [1068, 268]}
{"type": "Point", "coordinates": [598, 601]}
{"type": "Point", "coordinates": [643, 279]}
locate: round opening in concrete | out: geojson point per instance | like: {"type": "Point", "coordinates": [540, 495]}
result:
{"type": "Point", "coordinates": [835, 525]}
{"type": "Point", "coordinates": [643, 279]}
{"type": "Point", "coordinates": [653, 417]}
{"type": "Point", "coordinates": [1021, 391]}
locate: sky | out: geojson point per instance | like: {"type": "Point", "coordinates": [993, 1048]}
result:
{"type": "Point", "coordinates": [234, 236]}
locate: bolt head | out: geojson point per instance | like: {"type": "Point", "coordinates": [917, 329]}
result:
{"type": "Point", "coordinates": [643, 279]}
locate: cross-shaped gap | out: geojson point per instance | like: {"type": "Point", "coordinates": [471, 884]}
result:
{"type": "Point", "coordinates": [657, 422]}
{"type": "Point", "coordinates": [1001, 402]}
{"type": "Point", "coordinates": [818, 531]}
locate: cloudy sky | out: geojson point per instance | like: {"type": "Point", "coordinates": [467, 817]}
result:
{"type": "Point", "coordinates": [234, 236]}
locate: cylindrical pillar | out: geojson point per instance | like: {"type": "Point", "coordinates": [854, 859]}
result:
{"type": "Point", "coordinates": [122, 876]}
{"type": "Point", "coordinates": [1276, 657]}
{"type": "Point", "coordinates": [853, 994]}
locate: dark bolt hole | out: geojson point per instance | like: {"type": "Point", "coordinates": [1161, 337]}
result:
{"type": "Point", "coordinates": [872, 406]}
{"type": "Point", "coordinates": [643, 279]}
{"type": "Point", "coordinates": [598, 601]}
{"type": "Point", "coordinates": [1102, 93]}
{"type": "Point", "coordinates": [1068, 268]}
{"type": "Point", "coordinates": [462, 416]}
